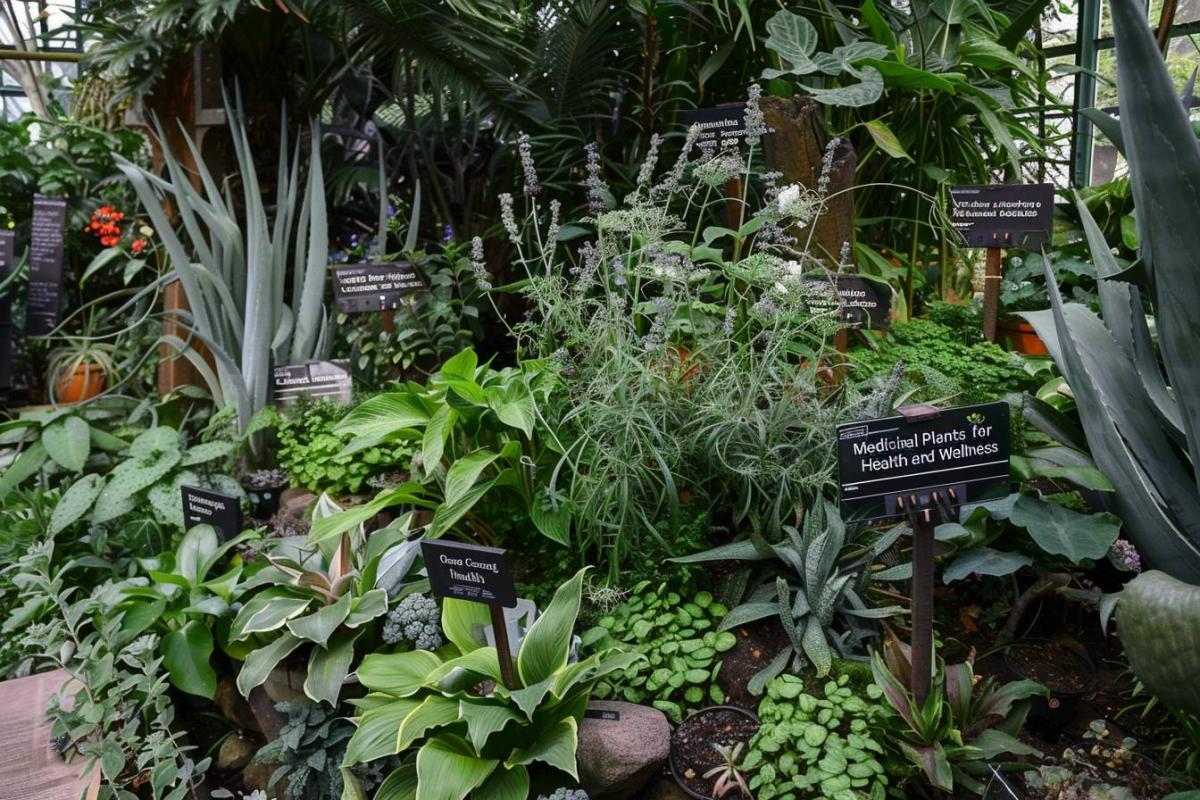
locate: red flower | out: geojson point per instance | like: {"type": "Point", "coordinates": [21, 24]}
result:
{"type": "Point", "coordinates": [138, 246]}
{"type": "Point", "coordinates": [109, 241]}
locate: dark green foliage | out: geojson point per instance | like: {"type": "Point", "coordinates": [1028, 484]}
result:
{"type": "Point", "coordinates": [309, 451]}
{"type": "Point", "coordinates": [941, 365]}
{"type": "Point", "coordinates": [309, 752]}
{"type": "Point", "coordinates": [680, 641]}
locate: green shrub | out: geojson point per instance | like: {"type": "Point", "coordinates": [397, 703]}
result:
{"type": "Point", "coordinates": [817, 744]}
{"type": "Point", "coordinates": [940, 364]}
{"type": "Point", "coordinates": [310, 452]}
{"type": "Point", "coordinates": [680, 642]}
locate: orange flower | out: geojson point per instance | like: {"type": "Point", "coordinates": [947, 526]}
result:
{"type": "Point", "coordinates": [138, 246]}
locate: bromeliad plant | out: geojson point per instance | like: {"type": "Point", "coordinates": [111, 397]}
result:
{"type": "Point", "coordinates": [962, 725]}
{"type": "Point", "coordinates": [471, 734]}
{"type": "Point", "coordinates": [1143, 429]}
{"type": "Point", "coordinates": [321, 599]}
{"type": "Point", "coordinates": [808, 586]}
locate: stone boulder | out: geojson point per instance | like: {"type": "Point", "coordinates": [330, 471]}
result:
{"type": "Point", "coordinates": [622, 746]}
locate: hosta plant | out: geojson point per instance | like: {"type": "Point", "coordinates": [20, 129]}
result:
{"type": "Point", "coordinates": [807, 586]}
{"type": "Point", "coordinates": [680, 641]}
{"type": "Point", "coordinates": [181, 602]}
{"type": "Point", "coordinates": [963, 724]}
{"type": "Point", "coordinates": [319, 599]}
{"type": "Point", "coordinates": [463, 732]}
{"type": "Point", "coordinates": [819, 744]}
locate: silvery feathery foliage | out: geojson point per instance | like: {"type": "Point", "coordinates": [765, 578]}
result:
{"type": "Point", "coordinates": [565, 794]}
{"type": "Point", "coordinates": [415, 619]}
{"type": "Point", "coordinates": [509, 219]}
{"type": "Point", "coordinates": [597, 189]}
{"type": "Point", "coordinates": [674, 180]}
{"type": "Point", "coordinates": [533, 186]}
{"type": "Point", "coordinates": [553, 231]}
{"type": "Point", "coordinates": [720, 169]}
{"type": "Point", "coordinates": [646, 173]}
{"type": "Point", "coordinates": [664, 309]}
{"type": "Point", "coordinates": [756, 124]}
{"type": "Point", "coordinates": [585, 273]}
{"type": "Point", "coordinates": [479, 265]}
{"type": "Point", "coordinates": [827, 165]}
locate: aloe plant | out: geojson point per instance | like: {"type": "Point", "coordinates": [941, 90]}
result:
{"type": "Point", "coordinates": [1142, 427]}
{"type": "Point", "coordinates": [233, 264]}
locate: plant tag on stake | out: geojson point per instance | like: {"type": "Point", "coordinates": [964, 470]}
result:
{"type": "Point", "coordinates": [859, 302]}
{"type": "Point", "coordinates": [1003, 215]}
{"type": "Point", "coordinates": [43, 302]}
{"type": "Point", "coordinates": [206, 507]}
{"type": "Point", "coordinates": [725, 124]}
{"type": "Point", "coordinates": [316, 379]}
{"type": "Point", "coordinates": [964, 448]}
{"type": "Point", "coordinates": [374, 287]}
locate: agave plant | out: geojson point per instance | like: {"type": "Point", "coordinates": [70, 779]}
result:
{"type": "Point", "coordinates": [1143, 428]}
{"type": "Point", "coordinates": [811, 589]}
{"type": "Point", "coordinates": [233, 265]}
{"type": "Point", "coordinates": [728, 774]}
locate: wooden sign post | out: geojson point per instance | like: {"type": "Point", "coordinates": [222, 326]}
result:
{"type": "Point", "coordinates": [477, 575]}
{"type": "Point", "coordinates": [923, 465]}
{"type": "Point", "coordinates": [997, 217]}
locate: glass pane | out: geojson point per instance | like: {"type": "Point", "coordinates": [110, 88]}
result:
{"type": "Point", "coordinates": [1187, 11]}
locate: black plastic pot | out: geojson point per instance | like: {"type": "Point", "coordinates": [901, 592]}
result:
{"type": "Point", "coordinates": [1050, 715]}
{"type": "Point", "coordinates": [694, 719]}
{"type": "Point", "coordinates": [264, 502]}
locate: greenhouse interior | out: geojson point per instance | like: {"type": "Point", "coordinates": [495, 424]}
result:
{"type": "Point", "coordinates": [599, 399]}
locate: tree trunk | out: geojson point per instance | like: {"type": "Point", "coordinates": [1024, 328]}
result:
{"type": "Point", "coordinates": [796, 148]}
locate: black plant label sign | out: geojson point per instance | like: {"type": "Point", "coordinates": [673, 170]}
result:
{"type": "Point", "coordinates": [469, 572]}
{"type": "Point", "coordinates": [206, 507]}
{"type": "Point", "coordinates": [605, 714]}
{"type": "Point", "coordinates": [1003, 215]}
{"type": "Point", "coordinates": [374, 287]}
{"type": "Point", "coordinates": [7, 255]}
{"type": "Point", "coordinates": [963, 448]}
{"type": "Point", "coordinates": [43, 303]}
{"type": "Point", "coordinates": [859, 302]}
{"type": "Point", "coordinates": [329, 380]}
{"type": "Point", "coordinates": [724, 124]}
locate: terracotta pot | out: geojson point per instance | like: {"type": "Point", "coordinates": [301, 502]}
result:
{"type": "Point", "coordinates": [1021, 337]}
{"type": "Point", "coordinates": [86, 382]}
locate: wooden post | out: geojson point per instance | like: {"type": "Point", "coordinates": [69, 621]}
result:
{"type": "Point", "coordinates": [503, 649]}
{"type": "Point", "coordinates": [922, 604]}
{"type": "Point", "coordinates": [733, 202]}
{"type": "Point", "coordinates": [992, 275]}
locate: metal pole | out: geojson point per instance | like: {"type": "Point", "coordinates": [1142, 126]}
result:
{"type": "Point", "coordinates": [37, 55]}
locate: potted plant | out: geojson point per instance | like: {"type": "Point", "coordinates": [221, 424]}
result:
{"type": "Point", "coordinates": [707, 750]}
{"type": "Point", "coordinates": [79, 369]}
{"type": "Point", "coordinates": [264, 488]}
{"type": "Point", "coordinates": [1062, 669]}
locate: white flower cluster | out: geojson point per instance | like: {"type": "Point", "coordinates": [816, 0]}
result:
{"type": "Point", "coordinates": [799, 203]}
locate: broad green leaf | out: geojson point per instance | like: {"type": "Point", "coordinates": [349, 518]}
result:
{"type": "Point", "coordinates": [483, 719]}
{"type": "Point", "coordinates": [984, 561]}
{"type": "Point", "coordinates": [794, 39]}
{"type": "Point", "coordinates": [553, 523]}
{"type": "Point", "coordinates": [68, 442]}
{"type": "Point", "coordinates": [207, 451]}
{"type": "Point", "coordinates": [260, 662]}
{"type": "Point", "coordinates": [319, 626]}
{"type": "Point", "coordinates": [438, 430]}
{"type": "Point", "coordinates": [337, 524]}
{"type": "Point", "coordinates": [448, 514]}
{"type": "Point", "coordinates": [434, 712]}
{"type": "Point", "coordinates": [155, 441]}
{"type": "Point", "coordinates": [195, 552]}
{"type": "Point", "coordinates": [547, 644]}
{"type": "Point", "coordinates": [328, 667]}
{"type": "Point", "coordinates": [186, 654]}
{"type": "Point", "coordinates": [398, 674]}
{"type": "Point", "coordinates": [554, 746]}
{"type": "Point", "coordinates": [75, 502]}
{"type": "Point", "coordinates": [867, 91]}
{"type": "Point", "coordinates": [886, 139]}
{"type": "Point", "coordinates": [267, 611]}
{"type": "Point", "coordinates": [400, 785]}
{"type": "Point", "coordinates": [447, 769]}
{"type": "Point", "coordinates": [993, 743]}
{"type": "Point", "coordinates": [504, 784]}
{"type": "Point", "coordinates": [371, 605]}
{"type": "Point", "coordinates": [376, 736]}
{"type": "Point", "coordinates": [464, 473]}
{"type": "Point", "coordinates": [1060, 531]}
{"type": "Point", "coordinates": [378, 417]}
{"type": "Point", "coordinates": [513, 404]}
{"type": "Point", "coordinates": [460, 367]}
{"type": "Point", "coordinates": [462, 622]}
{"type": "Point", "coordinates": [26, 465]}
